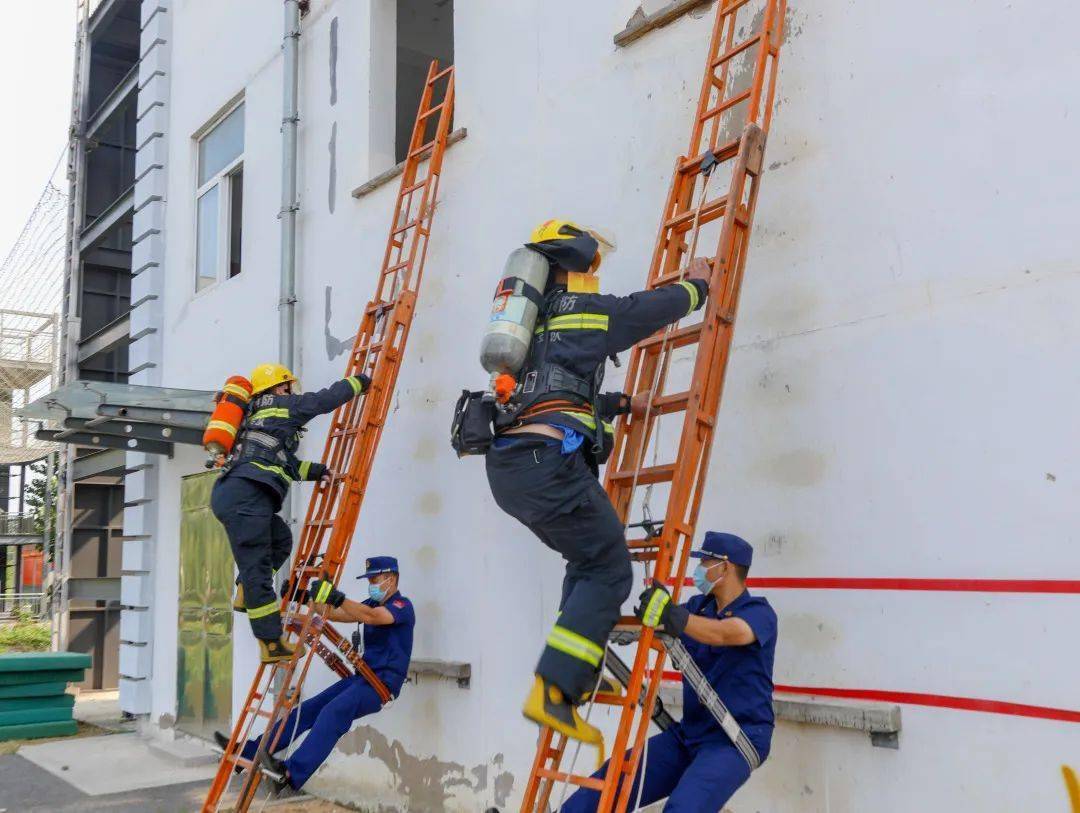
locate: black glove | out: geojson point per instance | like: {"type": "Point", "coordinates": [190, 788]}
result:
{"type": "Point", "coordinates": [322, 591]}
{"type": "Point", "coordinates": [365, 382]}
{"type": "Point", "coordinates": [657, 608]}
{"type": "Point", "coordinates": [301, 595]}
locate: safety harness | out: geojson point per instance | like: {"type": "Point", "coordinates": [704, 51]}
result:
{"type": "Point", "coordinates": [544, 378]}
{"type": "Point", "coordinates": [263, 449]}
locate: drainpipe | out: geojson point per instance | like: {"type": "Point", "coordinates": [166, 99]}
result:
{"type": "Point", "coordinates": [290, 116]}
{"type": "Point", "coordinates": [289, 205]}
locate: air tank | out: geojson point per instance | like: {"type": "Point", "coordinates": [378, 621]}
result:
{"type": "Point", "coordinates": [517, 301]}
{"type": "Point", "coordinates": [231, 403]}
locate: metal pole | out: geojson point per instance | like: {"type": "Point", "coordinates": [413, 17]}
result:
{"type": "Point", "coordinates": [71, 331]}
{"type": "Point", "coordinates": [48, 577]}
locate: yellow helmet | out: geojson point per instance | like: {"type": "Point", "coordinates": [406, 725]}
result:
{"type": "Point", "coordinates": [572, 247]}
{"type": "Point", "coordinates": [266, 376]}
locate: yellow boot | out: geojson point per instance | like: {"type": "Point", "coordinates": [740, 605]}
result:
{"type": "Point", "coordinates": [546, 705]}
{"type": "Point", "coordinates": [607, 686]}
{"type": "Point", "coordinates": [278, 651]}
{"type": "Point", "coordinates": [238, 600]}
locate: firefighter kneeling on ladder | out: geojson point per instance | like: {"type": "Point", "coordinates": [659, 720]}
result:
{"type": "Point", "coordinates": [553, 434]}
{"type": "Point", "coordinates": [388, 618]}
{"type": "Point", "coordinates": [253, 485]}
{"type": "Point", "coordinates": [730, 636]}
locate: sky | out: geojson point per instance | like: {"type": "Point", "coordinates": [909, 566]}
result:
{"type": "Point", "coordinates": [35, 84]}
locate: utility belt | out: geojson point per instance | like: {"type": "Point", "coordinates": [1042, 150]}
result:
{"type": "Point", "coordinates": [477, 419]}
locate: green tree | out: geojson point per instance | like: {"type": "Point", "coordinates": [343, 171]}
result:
{"type": "Point", "coordinates": [35, 499]}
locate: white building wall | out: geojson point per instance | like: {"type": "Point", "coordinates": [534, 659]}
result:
{"type": "Point", "coordinates": [900, 402]}
{"type": "Point", "coordinates": [141, 542]}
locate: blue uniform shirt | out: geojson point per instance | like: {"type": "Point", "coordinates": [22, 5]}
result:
{"type": "Point", "coordinates": [388, 647]}
{"type": "Point", "coordinates": [741, 675]}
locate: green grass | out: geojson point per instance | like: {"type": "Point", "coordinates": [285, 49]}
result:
{"type": "Point", "coordinates": [25, 636]}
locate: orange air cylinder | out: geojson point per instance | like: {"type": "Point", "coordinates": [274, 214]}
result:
{"type": "Point", "coordinates": [220, 434]}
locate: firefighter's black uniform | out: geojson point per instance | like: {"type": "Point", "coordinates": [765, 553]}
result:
{"type": "Point", "coordinates": [552, 488]}
{"type": "Point", "coordinates": [248, 495]}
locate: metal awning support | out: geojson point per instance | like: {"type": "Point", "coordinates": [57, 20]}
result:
{"type": "Point", "coordinates": [102, 441]}
{"type": "Point", "coordinates": [122, 416]}
{"type": "Point", "coordinates": [96, 464]}
{"type": "Point", "coordinates": [135, 429]}
{"type": "Point", "coordinates": [108, 337]}
{"type": "Point", "coordinates": [120, 95]}
{"type": "Point", "coordinates": [176, 418]}
{"type": "Point", "coordinates": [120, 208]}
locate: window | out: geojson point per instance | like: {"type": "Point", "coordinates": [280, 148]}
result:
{"type": "Point", "coordinates": [425, 31]}
{"type": "Point", "coordinates": [219, 201]}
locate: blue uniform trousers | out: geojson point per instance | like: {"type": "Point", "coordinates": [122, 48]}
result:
{"type": "Point", "coordinates": [326, 717]}
{"type": "Point", "coordinates": [693, 779]}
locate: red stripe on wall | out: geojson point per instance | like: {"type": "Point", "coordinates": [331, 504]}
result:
{"type": "Point", "coordinates": [920, 699]}
{"type": "Point", "coordinates": [940, 585]}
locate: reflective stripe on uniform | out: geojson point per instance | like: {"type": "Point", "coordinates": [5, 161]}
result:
{"type": "Point", "coordinates": [280, 472]}
{"type": "Point", "coordinates": [224, 426]}
{"type": "Point", "coordinates": [264, 610]}
{"type": "Point", "coordinates": [694, 296]}
{"type": "Point", "coordinates": [655, 608]}
{"type": "Point", "coordinates": [270, 412]}
{"type": "Point", "coordinates": [574, 645]}
{"type": "Point", "coordinates": [589, 421]}
{"type": "Point", "coordinates": [356, 384]}
{"type": "Point", "coordinates": [324, 593]}
{"type": "Point", "coordinates": [576, 321]}
{"type": "Point", "coordinates": [305, 467]}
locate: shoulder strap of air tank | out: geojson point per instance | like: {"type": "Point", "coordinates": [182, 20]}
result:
{"type": "Point", "coordinates": [526, 290]}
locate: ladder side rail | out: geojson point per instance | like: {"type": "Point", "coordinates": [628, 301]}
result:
{"type": "Point", "coordinates": [714, 348]}
{"type": "Point", "coordinates": [724, 21]}
{"type": "Point", "coordinates": [692, 446]}
{"type": "Point", "coordinates": [400, 318]}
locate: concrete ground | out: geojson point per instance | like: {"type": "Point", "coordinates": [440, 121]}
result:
{"type": "Point", "coordinates": [107, 766]}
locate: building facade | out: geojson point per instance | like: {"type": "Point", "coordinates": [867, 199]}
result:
{"type": "Point", "coordinates": [898, 419]}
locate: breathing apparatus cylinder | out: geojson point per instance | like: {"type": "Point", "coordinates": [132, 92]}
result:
{"type": "Point", "coordinates": [505, 345]}
{"type": "Point", "coordinates": [231, 404]}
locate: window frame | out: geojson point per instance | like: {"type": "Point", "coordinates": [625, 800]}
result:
{"type": "Point", "coordinates": [224, 179]}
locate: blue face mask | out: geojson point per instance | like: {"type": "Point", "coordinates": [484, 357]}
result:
{"type": "Point", "coordinates": [376, 592]}
{"type": "Point", "coordinates": [701, 580]}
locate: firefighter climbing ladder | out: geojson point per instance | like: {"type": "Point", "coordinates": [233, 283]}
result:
{"type": "Point", "coordinates": [352, 441]}
{"type": "Point", "coordinates": [727, 144]}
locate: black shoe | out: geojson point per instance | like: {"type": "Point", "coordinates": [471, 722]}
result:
{"type": "Point", "coordinates": [222, 741]}
{"type": "Point", "coordinates": [274, 770]}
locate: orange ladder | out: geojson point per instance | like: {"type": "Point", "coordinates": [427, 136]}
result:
{"type": "Point", "coordinates": [726, 147]}
{"type": "Point", "coordinates": [353, 439]}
